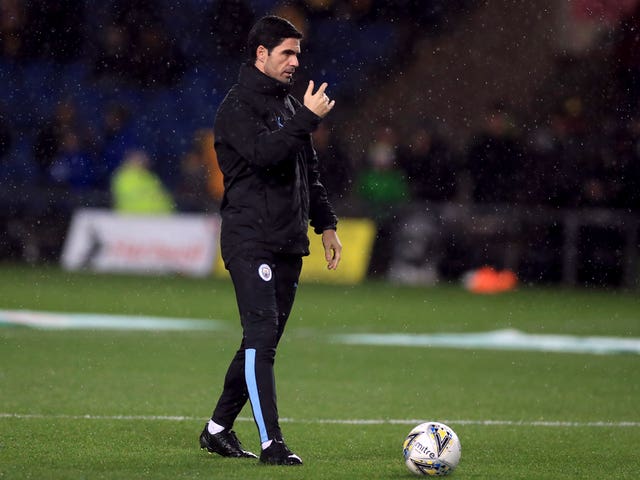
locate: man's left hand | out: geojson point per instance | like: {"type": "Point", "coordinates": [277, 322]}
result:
{"type": "Point", "coordinates": [332, 248]}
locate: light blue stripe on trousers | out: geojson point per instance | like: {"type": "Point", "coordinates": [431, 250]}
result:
{"type": "Point", "coordinates": [252, 387]}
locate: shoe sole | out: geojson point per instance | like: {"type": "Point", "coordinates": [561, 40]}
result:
{"type": "Point", "coordinates": [211, 452]}
{"type": "Point", "coordinates": [285, 463]}
{"type": "Point", "coordinates": [247, 454]}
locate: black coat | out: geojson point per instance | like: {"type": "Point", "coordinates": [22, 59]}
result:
{"type": "Point", "coordinates": [271, 179]}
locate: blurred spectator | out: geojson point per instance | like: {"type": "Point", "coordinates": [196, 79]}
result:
{"type": "Point", "coordinates": [595, 186]}
{"type": "Point", "coordinates": [321, 8]}
{"type": "Point", "coordinates": [619, 172]}
{"type": "Point", "coordinates": [17, 169]}
{"type": "Point", "coordinates": [135, 47]}
{"type": "Point", "coordinates": [6, 136]}
{"type": "Point", "coordinates": [430, 167]}
{"type": "Point", "coordinates": [350, 10]}
{"type": "Point", "coordinates": [72, 167]}
{"type": "Point", "coordinates": [50, 136]}
{"type": "Point", "coordinates": [630, 167]}
{"type": "Point", "coordinates": [55, 29]}
{"type": "Point", "coordinates": [362, 10]}
{"type": "Point", "coordinates": [229, 22]}
{"type": "Point", "coordinates": [135, 188]}
{"type": "Point", "coordinates": [201, 182]}
{"type": "Point", "coordinates": [118, 138]}
{"type": "Point", "coordinates": [381, 184]}
{"type": "Point", "coordinates": [336, 170]}
{"type": "Point", "coordinates": [382, 189]}
{"type": "Point", "coordinates": [156, 61]}
{"type": "Point", "coordinates": [552, 162]}
{"type": "Point", "coordinates": [13, 21]}
{"type": "Point", "coordinates": [627, 57]}
{"type": "Point", "coordinates": [495, 160]}
{"type": "Point", "coordinates": [112, 61]}
{"type": "Point", "coordinates": [600, 169]}
{"type": "Point", "coordinates": [42, 29]}
{"type": "Point", "coordinates": [134, 14]}
{"type": "Point", "coordinates": [295, 13]}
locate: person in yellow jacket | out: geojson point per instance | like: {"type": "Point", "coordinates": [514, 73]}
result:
{"type": "Point", "coordinates": [136, 189]}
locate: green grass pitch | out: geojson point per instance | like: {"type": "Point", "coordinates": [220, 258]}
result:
{"type": "Point", "coordinates": [89, 404]}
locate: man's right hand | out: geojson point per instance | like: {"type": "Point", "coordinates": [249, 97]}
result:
{"type": "Point", "coordinates": [318, 102]}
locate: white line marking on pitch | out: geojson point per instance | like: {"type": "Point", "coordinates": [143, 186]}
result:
{"type": "Point", "coordinates": [96, 321]}
{"type": "Point", "coordinates": [508, 339]}
{"type": "Point", "coordinates": [514, 423]}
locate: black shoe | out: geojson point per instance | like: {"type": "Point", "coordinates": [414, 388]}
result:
{"type": "Point", "coordinates": [278, 454]}
{"type": "Point", "coordinates": [224, 443]}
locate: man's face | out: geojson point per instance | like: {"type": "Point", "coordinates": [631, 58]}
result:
{"type": "Point", "coordinates": [282, 62]}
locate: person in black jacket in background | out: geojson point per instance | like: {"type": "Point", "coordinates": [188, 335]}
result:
{"type": "Point", "coordinates": [272, 192]}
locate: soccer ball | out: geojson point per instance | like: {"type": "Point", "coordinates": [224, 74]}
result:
{"type": "Point", "coordinates": [431, 449]}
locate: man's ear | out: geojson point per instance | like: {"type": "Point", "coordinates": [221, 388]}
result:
{"type": "Point", "coordinates": [261, 54]}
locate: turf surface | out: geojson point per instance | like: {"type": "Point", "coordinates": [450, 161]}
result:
{"type": "Point", "coordinates": [114, 404]}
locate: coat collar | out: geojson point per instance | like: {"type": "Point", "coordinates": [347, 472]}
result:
{"type": "Point", "coordinates": [253, 79]}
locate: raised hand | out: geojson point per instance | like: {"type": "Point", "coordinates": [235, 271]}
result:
{"type": "Point", "coordinates": [318, 102]}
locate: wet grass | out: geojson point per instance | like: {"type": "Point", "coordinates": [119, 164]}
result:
{"type": "Point", "coordinates": [112, 404]}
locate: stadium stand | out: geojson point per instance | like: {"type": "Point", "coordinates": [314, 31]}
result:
{"type": "Point", "coordinates": [360, 49]}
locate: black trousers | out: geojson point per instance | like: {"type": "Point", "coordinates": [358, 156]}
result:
{"type": "Point", "coordinates": [265, 286]}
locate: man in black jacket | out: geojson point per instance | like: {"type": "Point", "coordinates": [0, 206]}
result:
{"type": "Point", "coordinates": [272, 192]}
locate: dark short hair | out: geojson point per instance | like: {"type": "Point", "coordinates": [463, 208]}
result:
{"type": "Point", "coordinates": [269, 31]}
